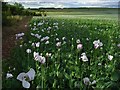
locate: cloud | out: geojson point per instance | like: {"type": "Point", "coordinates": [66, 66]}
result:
{"type": "Point", "coordinates": [66, 3]}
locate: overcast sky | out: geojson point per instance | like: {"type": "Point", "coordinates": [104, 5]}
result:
{"type": "Point", "coordinates": [66, 3]}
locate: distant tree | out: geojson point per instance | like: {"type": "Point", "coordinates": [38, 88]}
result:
{"type": "Point", "coordinates": [18, 8]}
{"type": "Point", "coordinates": [4, 6]}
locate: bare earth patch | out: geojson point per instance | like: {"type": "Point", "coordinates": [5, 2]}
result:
{"type": "Point", "coordinates": [8, 35]}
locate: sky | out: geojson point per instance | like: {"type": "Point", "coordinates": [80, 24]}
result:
{"type": "Point", "coordinates": [66, 3]}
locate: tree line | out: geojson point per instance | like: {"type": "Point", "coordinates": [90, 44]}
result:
{"type": "Point", "coordinates": [18, 9]}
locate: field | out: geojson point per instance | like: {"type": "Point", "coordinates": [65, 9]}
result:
{"type": "Point", "coordinates": [67, 50]}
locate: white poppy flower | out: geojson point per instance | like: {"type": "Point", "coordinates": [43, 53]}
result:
{"type": "Point", "coordinates": [34, 28]}
{"type": "Point", "coordinates": [36, 54]}
{"type": "Point", "coordinates": [110, 57]}
{"type": "Point", "coordinates": [39, 24]}
{"type": "Point", "coordinates": [39, 58]}
{"type": "Point", "coordinates": [42, 30]}
{"type": "Point", "coordinates": [38, 36]}
{"type": "Point", "coordinates": [43, 60]}
{"type": "Point", "coordinates": [34, 23]}
{"type": "Point", "coordinates": [9, 75]}
{"type": "Point", "coordinates": [64, 42]}
{"type": "Point", "coordinates": [55, 23]}
{"type": "Point", "coordinates": [118, 45]}
{"type": "Point", "coordinates": [28, 51]}
{"type": "Point", "coordinates": [97, 44]}
{"type": "Point", "coordinates": [48, 28]}
{"type": "Point", "coordinates": [58, 44]}
{"type": "Point", "coordinates": [37, 44]}
{"type": "Point", "coordinates": [20, 45]}
{"type": "Point", "coordinates": [57, 39]}
{"type": "Point", "coordinates": [63, 38]}
{"type": "Point", "coordinates": [94, 82]}
{"type": "Point", "coordinates": [78, 41]}
{"type": "Point", "coordinates": [30, 41]}
{"type": "Point", "coordinates": [25, 84]}
{"type": "Point", "coordinates": [47, 42]}
{"type": "Point", "coordinates": [79, 46]}
{"type": "Point", "coordinates": [33, 44]}
{"type": "Point", "coordinates": [25, 77]}
{"type": "Point", "coordinates": [14, 69]}
{"type": "Point", "coordinates": [87, 39]}
{"type": "Point", "coordinates": [56, 34]}
{"type": "Point", "coordinates": [84, 57]}
{"type": "Point", "coordinates": [48, 54]}
{"type": "Point", "coordinates": [32, 34]}
{"type": "Point", "coordinates": [42, 39]}
{"type": "Point", "coordinates": [99, 64]}
{"type": "Point", "coordinates": [56, 27]}
{"type": "Point", "coordinates": [86, 81]}
{"type": "Point", "coordinates": [46, 38]}
{"type": "Point", "coordinates": [19, 35]}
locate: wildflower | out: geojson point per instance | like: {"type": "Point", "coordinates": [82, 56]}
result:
{"type": "Point", "coordinates": [48, 28]}
{"type": "Point", "coordinates": [38, 36]}
{"type": "Point", "coordinates": [19, 35]}
{"type": "Point", "coordinates": [46, 38]}
{"type": "Point", "coordinates": [56, 27]}
{"type": "Point", "coordinates": [42, 39]}
{"type": "Point", "coordinates": [86, 81]}
{"type": "Point", "coordinates": [39, 58]}
{"type": "Point", "coordinates": [79, 46]}
{"type": "Point", "coordinates": [97, 44]}
{"type": "Point", "coordinates": [37, 44]}
{"type": "Point", "coordinates": [34, 28]}
{"type": "Point", "coordinates": [63, 38]}
{"type": "Point", "coordinates": [64, 42]}
{"type": "Point", "coordinates": [14, 69]}
{"type": "Point", "coordinates": [56, 34]}
{"type": "Point", "coordinates": [30, 41]}
{"type": "Point", "coordinates": [42, 60]}
{"type": "Point", "coordinates": [55, 23]}
{"type": "Point", "coordinates": [33, 44]}
{"type": "Point", "coordinates": [110, 57]}
{"type": "Point", "coordinates": [34, 23]}
{"type": "Point", "coordinates": [28, 51]}
{"type": "Point", "coordinates": [48, 54]}
{"type": "Point", "coordinates": [93, 82]}
{"type": "Point", "coordinates": [87, 39]}
{"type": "Point", "coordinates": [39, 24]}
{"type": "Point", "coordinates": [78, 41]}
{"type": "Point", "coordinates": [118, 45]}
{"type": "Point", "coordinates": [99, 64]}
{"type": "Point", "coordinates": [84, 57]}
{"type": "Point", "coordinates": [36, 54]}
{"type": "Point", "coordinates": [32, 34]}
{"type": "Point", "coordinates": [57, 39]}
{"type": "Point", "coordinates": [26, 77]}
{"type": "Point", "coordinates": [47, 42]}
{"type": "Point", "coordinates": [20, 45]}
{"type": "Point", "coordinates": [42, 30]}
{"type": "Point", "coordinates": [9, 75]}
{"type": "Point", "coordinates": [72, 39]}
{"type": "Point", "coordinates": [58, 44]}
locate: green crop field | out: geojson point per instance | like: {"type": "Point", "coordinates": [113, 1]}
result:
{"type": "Point", "coordinates": [67, 50]}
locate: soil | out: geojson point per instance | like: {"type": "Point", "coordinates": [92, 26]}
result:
{"type": "Point", "coordinates": [8, 35]}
